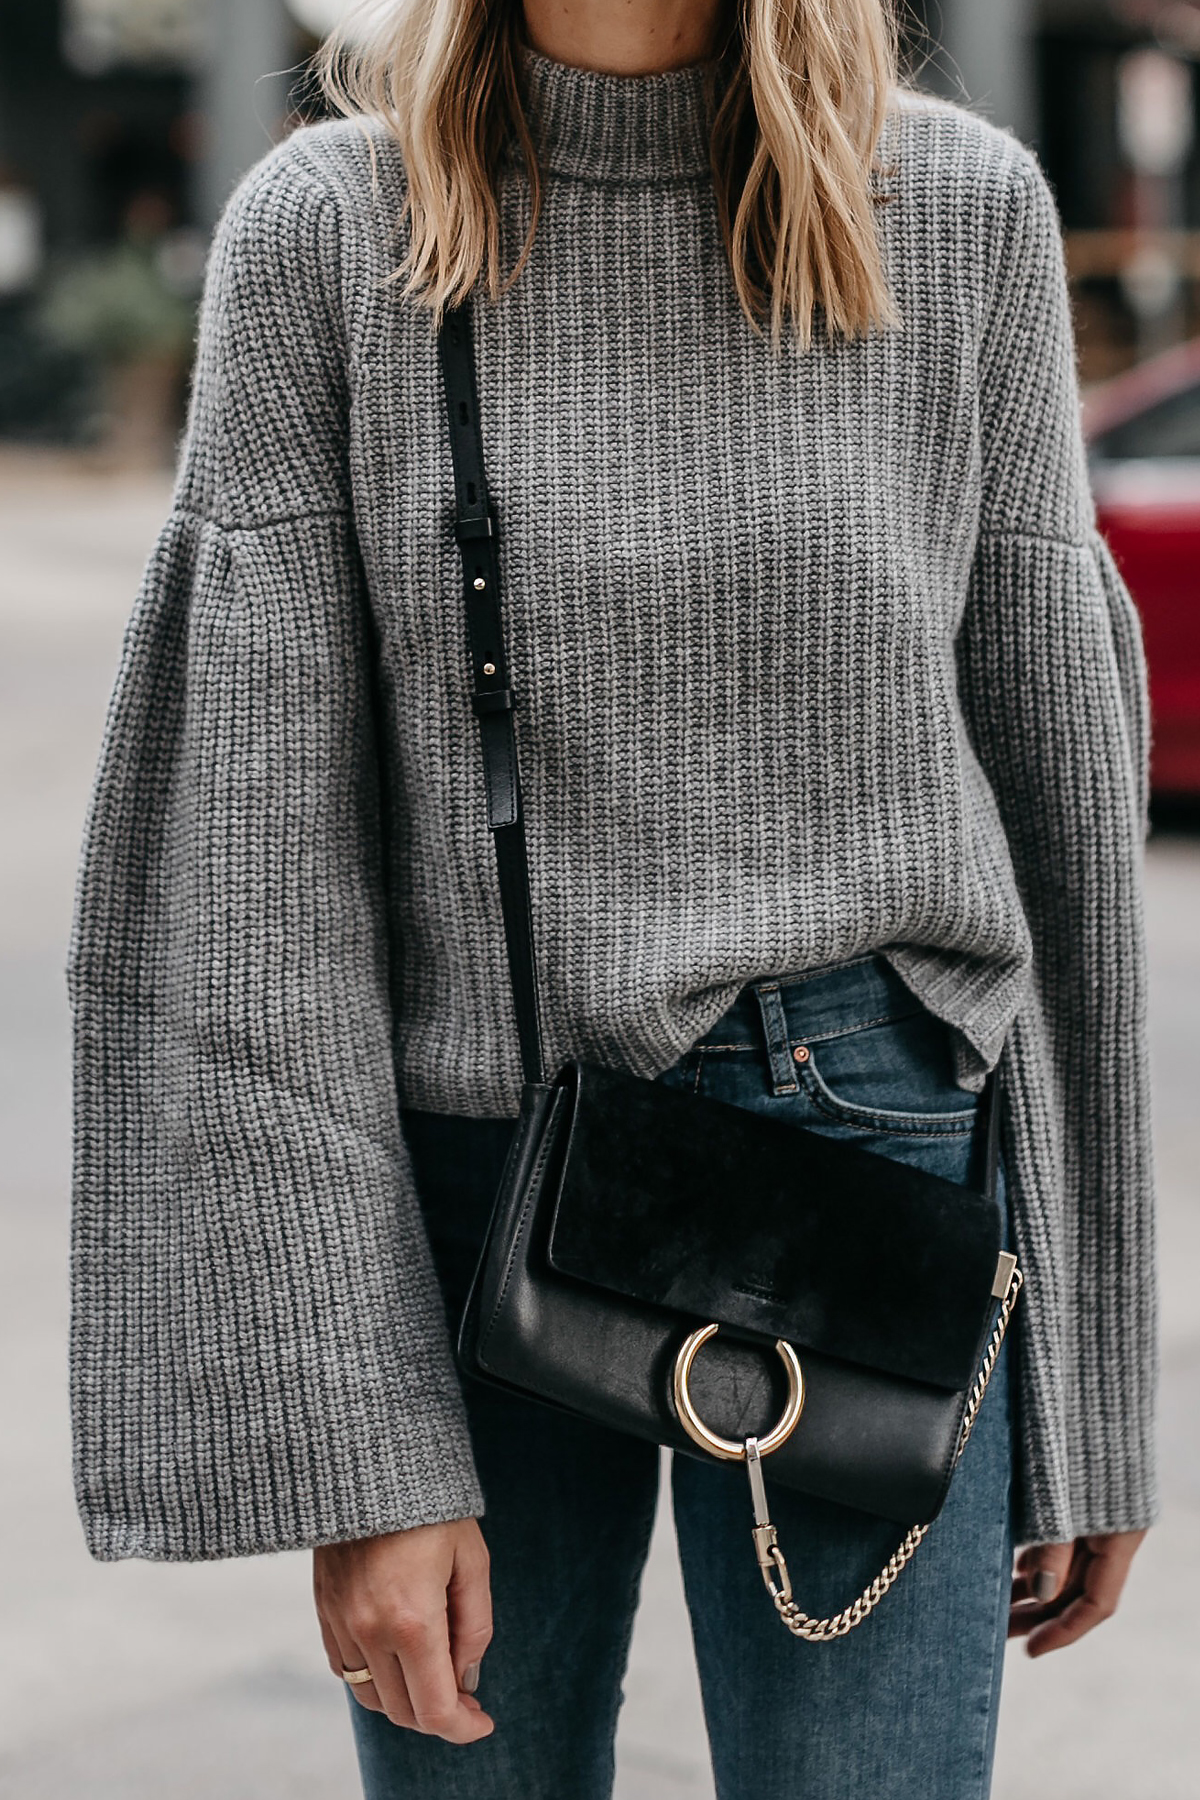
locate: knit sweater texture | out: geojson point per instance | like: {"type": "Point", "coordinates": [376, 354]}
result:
{"type": "Point", "coordinates": [818, 653]}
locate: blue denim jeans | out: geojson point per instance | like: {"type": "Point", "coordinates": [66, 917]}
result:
{"type": "Point", "coordinates": [904, 1707]}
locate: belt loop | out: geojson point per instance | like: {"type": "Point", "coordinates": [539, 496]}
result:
{"type": "Point", "coordinates": [775, 1034]}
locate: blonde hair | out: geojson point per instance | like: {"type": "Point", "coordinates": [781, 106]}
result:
{"type": "Point", "coordinates": [797, 95]}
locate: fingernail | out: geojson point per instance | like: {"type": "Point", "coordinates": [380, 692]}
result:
{"type": "Point", "coordinates": [1045, 1584]}
{"type": "Point", "coordinates": [470, 1680]}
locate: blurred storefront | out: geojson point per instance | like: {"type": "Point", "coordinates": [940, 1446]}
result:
{"type": "Point", "coordinates": [1106, 91]}
{"type": "Point", "coordinates": [124, 123]}
{"type": "Point", "coordinates": [1117, 88]}
{"type": "Point", "coordinates": [123, 126]}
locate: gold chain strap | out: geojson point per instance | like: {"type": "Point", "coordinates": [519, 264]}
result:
{"type": "Point", "coordinates": [770, 1556]}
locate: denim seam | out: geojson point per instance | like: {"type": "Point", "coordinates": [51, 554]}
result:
{"type": "Point", "coordinates": [840, 1031]}
{"type": "Point", "coordinates": [863, 1119]}
{"type": "Point", "coordinates": [631, 1607]}
{"type": "Point", "coordinates": [824, 1037]}
{"type": "Point", "coordinates": [1002, 1606]}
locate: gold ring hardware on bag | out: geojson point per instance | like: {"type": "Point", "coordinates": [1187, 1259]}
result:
{"type": "Point", "coordinates": [694, 1425]}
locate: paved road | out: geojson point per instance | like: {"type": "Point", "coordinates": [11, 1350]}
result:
{"type": "Point", "coordinates": [135, 1681]}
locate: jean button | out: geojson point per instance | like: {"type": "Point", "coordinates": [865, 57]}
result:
{"type": "Point", "coordinates": [801, 1053]}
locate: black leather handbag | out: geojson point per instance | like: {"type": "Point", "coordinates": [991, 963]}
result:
{"type": "Point", "coordinates": [674, 1266]}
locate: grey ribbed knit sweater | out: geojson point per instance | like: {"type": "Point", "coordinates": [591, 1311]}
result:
{"type": "Point", "coordinates": [817, 653]}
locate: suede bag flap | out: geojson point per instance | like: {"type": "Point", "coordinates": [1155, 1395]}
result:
{"type": "Point", "coordinates": [700, 1206]}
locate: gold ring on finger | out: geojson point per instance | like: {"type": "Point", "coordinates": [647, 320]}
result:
{"type": "Point", "coordinates": [356, 1676]}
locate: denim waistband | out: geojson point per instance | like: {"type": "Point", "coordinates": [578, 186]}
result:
{"type": "Point", "coordinates": [811, 1006]}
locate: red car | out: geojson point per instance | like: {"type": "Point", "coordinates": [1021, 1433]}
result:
{"type": "Point", "coordinates": [1143, 435]}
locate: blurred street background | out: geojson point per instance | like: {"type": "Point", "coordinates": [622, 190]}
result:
{"type": "Point", "coordinates": [123, 126]}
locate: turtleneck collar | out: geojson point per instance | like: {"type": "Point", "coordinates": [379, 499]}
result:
{"type": "Point", "coordinates": [619, 128]}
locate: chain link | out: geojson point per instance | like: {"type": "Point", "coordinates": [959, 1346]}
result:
{"type": "Point", "coordinates": [820, 1631]}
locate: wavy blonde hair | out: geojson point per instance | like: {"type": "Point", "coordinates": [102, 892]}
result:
{"type": "Point", "coordinates": [797, 94]}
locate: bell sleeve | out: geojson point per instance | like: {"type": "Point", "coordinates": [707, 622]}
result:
{"type": "Point", "coordinates": [259, 1357]}
{"type": "Point", "coordinates": [1053, 683]}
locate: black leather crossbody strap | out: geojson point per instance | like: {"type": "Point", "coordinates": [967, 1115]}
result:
{"type": "Point", "coordinates": [476, 528]}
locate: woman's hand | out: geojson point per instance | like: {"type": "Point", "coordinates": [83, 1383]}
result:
{"type": "Point", "coordinates": [414, 1607]}
{"type": "Point", "coordinates": [1062, 1591]}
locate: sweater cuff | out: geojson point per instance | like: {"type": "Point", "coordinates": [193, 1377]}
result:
{"type": "Point", "coordinates": [260, 1358]}
{"type": "Point", "coordinates": [355, 1496]}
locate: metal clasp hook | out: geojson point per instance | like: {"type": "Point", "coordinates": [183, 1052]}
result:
{"type": "Point", "coordinates": [766, 1544]}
